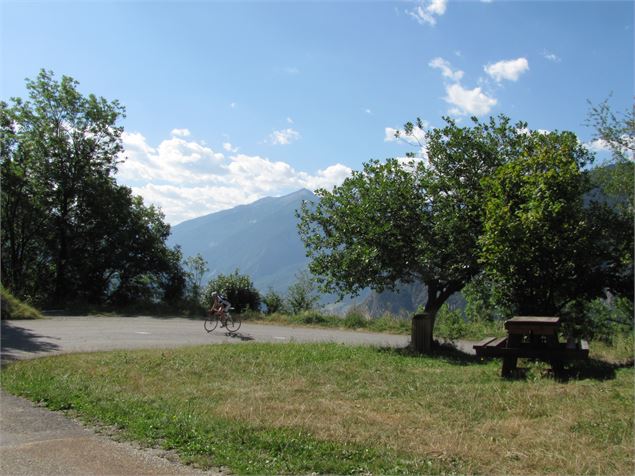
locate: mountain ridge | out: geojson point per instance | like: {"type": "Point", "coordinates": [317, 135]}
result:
{"type": "Point", "coordinates": [260, 239]}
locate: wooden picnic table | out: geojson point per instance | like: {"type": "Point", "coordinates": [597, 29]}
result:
{"type": "Point", "coordinates": [534, 337]}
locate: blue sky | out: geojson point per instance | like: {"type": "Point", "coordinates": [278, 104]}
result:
{"type": "Point", "coordinates": [228, 102]}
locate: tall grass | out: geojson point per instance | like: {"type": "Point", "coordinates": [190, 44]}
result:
{"type": "Point", "coordinates": [13, 308]}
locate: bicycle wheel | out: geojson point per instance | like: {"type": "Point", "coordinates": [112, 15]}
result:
{"type": "Point", "coordinates": [210, 323]}
{"type": "Point", "coordinates": [232, 323]}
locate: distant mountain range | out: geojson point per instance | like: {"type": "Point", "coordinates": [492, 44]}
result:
{"type": "Point", "coordinates": [261, 240]}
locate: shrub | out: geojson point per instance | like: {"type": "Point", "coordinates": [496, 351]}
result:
{"type": "Point", "coordinates": [451, 323]}
{"type": "Point", "coordinates": [600, 319]}
{"type": "Point", "coordinates": [301, 295]}
{"type": "Point", "coordinates": [355, 320]}
{"type": "Point", "coordinates": [273, 301]}
{"type": "Point", "coordinates": [313, 317]}
{"type": "Point", "coordinates": [237, 288]}
{"type": "Point", "coordinates": [13, 308]}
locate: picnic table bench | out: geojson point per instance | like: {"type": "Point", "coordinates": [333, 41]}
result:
{"type": "Point", "coordinates": [532, 337]}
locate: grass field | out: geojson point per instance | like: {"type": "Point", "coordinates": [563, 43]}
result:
{"type": "Point", "coordinates": [327, 408]}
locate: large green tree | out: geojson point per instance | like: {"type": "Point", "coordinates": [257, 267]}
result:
{"type": "Point", "coordinates": [403, 221]}
{"type": "Point", "coordinates": [547, 237]}
{"type": "Point", "coordinates": [69, 231]}
{"type": "Point", "coordinates": [536, 235]}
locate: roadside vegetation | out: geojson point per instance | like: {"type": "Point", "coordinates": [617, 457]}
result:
{"type": "Point", "coordinates": [13, 308]}
{"type": "Point", "coordinates": [327, 408]}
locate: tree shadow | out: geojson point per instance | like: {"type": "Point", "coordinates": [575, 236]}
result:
{"type": "Point", "coordinates": [446, 351]}
{"type": "Point", "coordinates": [592, 369]}
{"type": "Point", "coordinates": [16, 339]}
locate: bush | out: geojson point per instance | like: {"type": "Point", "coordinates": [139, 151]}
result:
{"type": "Point", "coordinates": [313, 317]}
{"type": "Point", "coordinates": [451, 323]}
{"type": "Point", "coordinates": [301, 295]}
{"type": "Point", "coordinates": [600, 319]}
{"type": "Point", "coordinates": [13, 308]}
{"type": "Point", "coordinates": [273, 301]}
{"type": "Point", "coordinates": [237, 288]}
{"type": "Point", "coordinates": [355, 320]}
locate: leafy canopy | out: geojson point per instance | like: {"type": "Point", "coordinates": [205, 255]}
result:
{"type": "Point", "coordinates": [69, 232]}
{"type": "Point", "coordinates": [410, 220]}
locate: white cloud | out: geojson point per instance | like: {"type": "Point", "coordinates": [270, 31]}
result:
{"type": "Point", "coordinates": [188, 179]}
{"type": "Point", "coordinates": [626, 146]}
{"type": "Point", "coordinates": [427, 11]}
{"type": "Point", "coordinates": [368, 111]}
{"type": "Point", "coordinates": [228, 147]}
{"type": "Point", "coordinates": [390, 134]}
{"type": "Point", "coordinates": [510, 70]}
{"type": "Point", "coordinates": [468, 101]}
{"type": "Point", "coordinates": [446, 70]}
{"type": "Point", "coordinates": [284, 137]}
{"type": "Point", "coordinates": [598, 145]}
{"type": "Point", "coordinates": [551, 56]}
{"type": "Point", "coordinates": [289, 120]}
{"type": "Point", "coordinates": [181, 132]}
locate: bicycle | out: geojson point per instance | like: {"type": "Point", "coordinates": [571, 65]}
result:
{"type": "Point", "coordinates": [232, 324]}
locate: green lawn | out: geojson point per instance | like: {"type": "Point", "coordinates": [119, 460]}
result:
{"type": "Point", "coordinates": [327, 408]}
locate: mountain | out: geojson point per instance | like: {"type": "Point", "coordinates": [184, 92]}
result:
{"type": "Point", "coordinates": [259, 239]}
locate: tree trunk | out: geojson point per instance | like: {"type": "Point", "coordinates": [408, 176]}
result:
{"type": "Point", "coordinates": [421, 338]}
{"type": "Point", "coordinates": [422, 332]}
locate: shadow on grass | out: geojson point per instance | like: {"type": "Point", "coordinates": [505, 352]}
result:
{"type": "Point", "coordinates": [16, 340]}
{"type": "Point", "coordinates": [591, 369]}
{"type": "Point", "coordinates": [446, 351]}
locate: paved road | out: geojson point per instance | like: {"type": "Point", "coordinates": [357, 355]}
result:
{"type": "Point", "coordinates": [28, 339]}
{"type": "Point", "coordinates": [37, 442]}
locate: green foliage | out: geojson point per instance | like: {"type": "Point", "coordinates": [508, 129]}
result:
{"type": "Point", "coordinates": [615, 181]}
{"type": "Point", "coordinates": [13, 308]}
{"type": "Point", "coordinates": [535, 235]}
{"type": "Point", "coordinates": [403, 222]}
{"type": "Point", "coordinates": [600, 319]}
{"type": "Point", "coordinates": [69, 232]}
{"type": "Point", "coordinates": [273, 302]}
{"type": "Point", "coordinates": [452, 323]}
{"type": "Point", "coordinates": [195, 269]}
{"type": "Point", "coordinates": [615, 130]}
{"type": "Point", "coordinates": [237, 288]}
{"type": "Point", "coordinates": [301, 295]}
{"type": "Point", "coordinates": [486, 300]}
{"type": "Point", "coordinates": [355, 320]}
{"type": "Point", "coordinates": [541, 243]}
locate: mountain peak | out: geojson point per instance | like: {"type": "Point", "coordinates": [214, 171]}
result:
{"type": "Point", "coordinates": [260, 239]}
{"type": "Point", "coordinates": [302, 193]}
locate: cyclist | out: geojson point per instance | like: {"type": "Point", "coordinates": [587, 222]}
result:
{"type": "Point", "coordinates": [220, 305]}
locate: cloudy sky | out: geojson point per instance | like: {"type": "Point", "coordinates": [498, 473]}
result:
{"type": "Point", "coordinates": [228, 102]}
